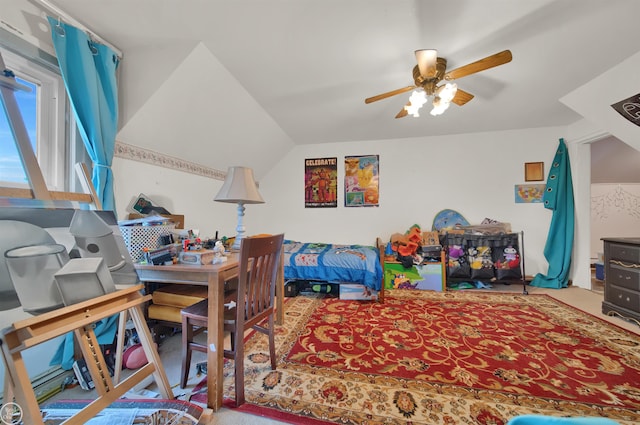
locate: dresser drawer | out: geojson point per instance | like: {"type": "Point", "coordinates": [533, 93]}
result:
{"type": "Point", "coordinates": [624, 276]}
{"type": "Point", "coordinates": [623, 297]}
{"type": "Point", "coordinates": [626, 253]}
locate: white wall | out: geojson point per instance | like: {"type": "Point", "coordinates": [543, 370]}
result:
{"type": "Point", "coordinates": [615, 212]}
{"type": "Point", "coordinates": [179, 192]}
{"type": "Point", "coordinates": [594, 99]}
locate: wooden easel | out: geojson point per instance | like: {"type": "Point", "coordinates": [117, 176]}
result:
{"type": "Point", "coordinates": [80, 318]}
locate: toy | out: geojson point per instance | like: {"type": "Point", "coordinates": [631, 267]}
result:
{"type": "Point", "coordinates": [480, 257]}
{"type": "Point", "coordinates": [218, 253]}
{"type": "Point", "coordinates": [407, 245]}
{"type": "Point", "coordinates": [456, 255]}
{"type": "Point", "coordinates": [510, 260]}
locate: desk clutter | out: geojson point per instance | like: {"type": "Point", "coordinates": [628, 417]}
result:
{"type": "Point", "coordinates": [157, 240]}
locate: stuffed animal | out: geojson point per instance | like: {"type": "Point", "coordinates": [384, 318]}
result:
{"type": "Point", "coordinates": [480, 257]}
{"type": "Point", "coordinates": [510, 260]}
{"type": "Point", "coordinates": [456, 255]}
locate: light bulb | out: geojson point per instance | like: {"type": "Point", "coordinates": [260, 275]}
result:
{"type": "Point", "coordinates": [439, 106]}
{"type": "Point", "coordinates": [447, 92]}
{"type": "Point", "coordinates": [417, 99]}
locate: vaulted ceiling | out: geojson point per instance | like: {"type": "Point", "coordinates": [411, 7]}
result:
{"type": "Point", "coordinates": [301, 69]}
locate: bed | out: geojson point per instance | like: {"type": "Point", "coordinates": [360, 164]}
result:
{"type": "Point", "coordinates": [334, 263]}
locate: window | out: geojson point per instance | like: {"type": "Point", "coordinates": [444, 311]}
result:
{"type": "Point", "coordinates": [47, 120]}
{"type": "Point", "coordinates": [11, 169]}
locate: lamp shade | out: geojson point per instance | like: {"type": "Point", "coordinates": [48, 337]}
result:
{"type": "Point", "coordinates": [239, 187]}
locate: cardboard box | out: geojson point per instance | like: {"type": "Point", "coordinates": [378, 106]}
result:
{"type": "Point", "coordinates": [203, 256]}
{"type": "Point", "coordinates": [354, 291]}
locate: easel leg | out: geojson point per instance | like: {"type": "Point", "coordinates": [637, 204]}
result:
{"type": "Point", "coordinates": [122, 327]}
{"type": "Point", "coordinates": [16, 370]}
{"type": "Point", "coordinates": [150, 350]}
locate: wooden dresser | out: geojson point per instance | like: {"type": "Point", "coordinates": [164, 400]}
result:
{"type": "Point", "coordinates": [622, 277]}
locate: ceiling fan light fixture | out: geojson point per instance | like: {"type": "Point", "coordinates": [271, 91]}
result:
{"type": "Point", "coordinates": [417, 99]}
{"type": "Point", "coordinates": [431, 70]}
{"type": "Point", "coordinates": [427, 60]}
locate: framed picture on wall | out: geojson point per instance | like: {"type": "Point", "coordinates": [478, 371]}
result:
{"type": "Point", "coordinates": [321, 183]}
{"type": "Point", "coordinates": [533, 171]}
{"type": "Point", "coordinates": [361, 181]}
{"type": "Point", "coordinates": [529, 193]}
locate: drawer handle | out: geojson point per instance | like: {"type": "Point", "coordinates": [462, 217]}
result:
{"type": "Point", "coordinates": [620, 297]}
{"type": "Point", "coordinates": [620, 263]}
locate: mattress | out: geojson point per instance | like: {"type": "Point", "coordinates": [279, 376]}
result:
{"type": "Point", "coordinates": [333, 263]}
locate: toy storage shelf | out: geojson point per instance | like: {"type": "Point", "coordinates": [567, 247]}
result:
{"type": "Point", "coordinates": [498, 269]}
{"type": "Point", "coordinates": [428, 275]}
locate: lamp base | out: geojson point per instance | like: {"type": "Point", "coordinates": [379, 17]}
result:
{"type": "Point", "coordinates": [236, 246]}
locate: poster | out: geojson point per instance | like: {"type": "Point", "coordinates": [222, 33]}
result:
{"type": "Point", "coordinates": [321, 183]}
{"type": "Point", "coordinates": [529, 193]}
{"type": "Point", "coordinates": [629, 108]}
{"type": "Point", "coordinates": [361, 181]}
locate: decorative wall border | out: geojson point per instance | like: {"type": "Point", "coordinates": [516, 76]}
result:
{"type": "Point", "coordinates": [135, 153]}
{"type": "Point", "coordinates": [619, 200]}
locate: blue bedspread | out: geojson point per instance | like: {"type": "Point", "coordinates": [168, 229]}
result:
{"type": "Point", "coordinates": [333, 263]}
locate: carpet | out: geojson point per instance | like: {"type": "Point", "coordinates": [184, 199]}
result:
{"type": "Point", "coordinates": [427, 357]}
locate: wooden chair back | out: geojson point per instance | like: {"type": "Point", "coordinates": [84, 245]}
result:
{"type": "Point", "coordinates": [259, 262]}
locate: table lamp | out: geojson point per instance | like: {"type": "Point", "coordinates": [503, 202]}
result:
{"type": "Point", "coordinates": [240, 188]}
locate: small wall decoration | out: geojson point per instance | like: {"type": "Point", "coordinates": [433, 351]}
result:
{"type": "Point", "coordinates": [529, 193]}
{"type": "Point", "coordinates": [361, 181]}
{"type": "Point", "coordinates": [321, 183]}
{"type": "Point", "coordinates": [629, 108]}
{"type": "Point", "coordinates": [533, 171]}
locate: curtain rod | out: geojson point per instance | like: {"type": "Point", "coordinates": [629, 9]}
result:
{"type": "Point", "coordinates": [69, 19]}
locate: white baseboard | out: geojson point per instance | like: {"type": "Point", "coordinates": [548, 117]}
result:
{"type": "Point", "coordinates": [48, 383]}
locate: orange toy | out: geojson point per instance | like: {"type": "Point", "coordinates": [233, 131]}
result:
{"type": "Point", "coordinates": [407, 245]}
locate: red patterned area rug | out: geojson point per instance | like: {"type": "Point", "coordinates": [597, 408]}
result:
{"type": "Point", "coordinates": [428, 357]}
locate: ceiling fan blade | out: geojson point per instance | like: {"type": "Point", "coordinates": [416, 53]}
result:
{"type": "Point", "coordinates": [389, 94]}
{"type": "Point", "coordinates": [427, 60]}
{"type": "Point", "coordinates": [461, 97]}
{"type": "Point", "coordinates": [480, 65]}
{"type": "Point", "coordinates": [403, 112]}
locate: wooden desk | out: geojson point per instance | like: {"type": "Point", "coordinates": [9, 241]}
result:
{"type": "Point", "coordinates": [214, 277]}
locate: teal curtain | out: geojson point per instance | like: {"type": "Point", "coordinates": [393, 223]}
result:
{"type": "Point", "coordinates": [558, 197]}
{"type": "Point", "coordinates": [89, 73]}
{"type": "Point", "coordinates": [105, 331]}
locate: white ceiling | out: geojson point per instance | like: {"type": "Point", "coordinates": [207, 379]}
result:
{"type": "Point", "coordinates": [309, 64]}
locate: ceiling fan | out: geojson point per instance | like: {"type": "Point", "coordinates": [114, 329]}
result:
{"type": "Point", "coordinates": [430, 71]}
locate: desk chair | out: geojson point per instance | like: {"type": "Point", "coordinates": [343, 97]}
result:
{"type": "Point", "coordinates": [194, 321]}
{"type": "Point", "coordinates": [259, 261]}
